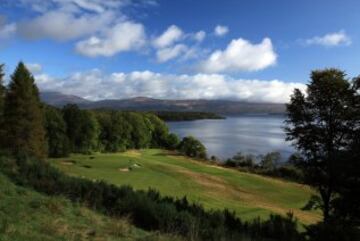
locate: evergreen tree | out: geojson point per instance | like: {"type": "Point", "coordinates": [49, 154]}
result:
{"type": "Point", "coordinates": [2, 96]}
{"type": "Point", "coordinates": [23, 116]}
{"type": "Point", "coordinates": [2, 90]}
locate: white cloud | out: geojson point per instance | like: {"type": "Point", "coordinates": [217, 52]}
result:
{"type": "Point", "coordinates": [169, 53]}
{"type": "Point", "coordinates": [221, 30]}
{"type": "Point", "coordinates": [64, 25]}
{"type": "Point", "coordinates": [88, 5]}
{"type": "Point", "coordinates": [240, 55]}
{"type": "Point", "coordinates": [34, 68]}
{"type": "Point", "coordinates": [330, 39]}
{"type": "Point", "coordinates": [124, 36]}
{"type": "Point", "coordinates": [96, 85]}
{"type": "Point", "coordinates": [7, 30]}
{"type": "Point", "coordinates": [200, 36]}
{"type": "Point", "coordinates": [170, 36]}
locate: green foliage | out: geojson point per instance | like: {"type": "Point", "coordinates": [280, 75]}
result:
{"type": "Point", "coordinates": [268, 165]}
{"type": "Point", "coordinates": [324, 125]}
{"type": "Point", "coordinates": [141, 133]}
{"type": "Point", "coordinates": [192, 147]}
{"type": "Point", "coordinates": [58, 142]}
{"type": "Point", "coordinates": [29, 215]}
{"type": "Point", "coordinates": [148, 210]}
{"type": "Point", "coordinates": [23, 116]}
{"type": "Point", "coordinates": [270, 160]}
{"type": "Point", "coordinates": [82, 129]}
{"type": "Point", "coordinates": [2, 98]}
{"type": "Point", "coordinates": [160, 131]}
{"type": "Point", "coordinates": [115, 131]}
{"type": "Point", "coordinates": [2, 90]}
{"type": "Point", "coordinates": [120, 131]}
{"type": "Point", "coordinates": [172, 141]}
{"type": "Point", "coordinates": [240, 160]}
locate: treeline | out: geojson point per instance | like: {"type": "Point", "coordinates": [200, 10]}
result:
{"type": "Point", "coordinates": [269, 164]}
{"type": "Point", "coordinates": [186, 116]}
{"type": "Point", "coordinates": [34, 129]}
{"type": "Point", "coordinates": [72, 130]}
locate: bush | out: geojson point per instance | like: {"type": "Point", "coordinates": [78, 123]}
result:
{"type": "Point", "coordinates": [192, 147]}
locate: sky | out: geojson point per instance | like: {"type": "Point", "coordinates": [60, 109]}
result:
{"type": "Point", "coordinates": [250, 50]}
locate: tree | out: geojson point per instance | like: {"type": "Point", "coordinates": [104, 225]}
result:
{"type": "Point", "coordinates": [192, 147]}
{"type": "Point", "coordinates": [23, 116]}
{"type": "Point", "coordinates": [115, 131]}
{"type": "Point", "coordinates": [2, 96]}
{"type": "Point", "coordinates": [58, 142]}
{"type": "Point", "coordinates": [270, 160]}
{"type": "Point", "coordinates": [82, 129]}
{"type": "Point", "coordinates": [321, 125]}
{"type": "Point", "coordinates": [172, 141]}
{"type": "Point", "coordinates": [2, 90]}
{"type": "Point", "coordinates": [160, 131]}
{"type": "Point", "coordinates": [141, 133]}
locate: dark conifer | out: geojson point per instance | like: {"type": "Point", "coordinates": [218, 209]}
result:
{"type": "Point", "coordinates": [23, 116]}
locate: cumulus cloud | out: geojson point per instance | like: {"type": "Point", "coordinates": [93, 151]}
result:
{"type": "Point", "coordinates": [221, 30]}
{"type": "Point", "coordinates": [167, 38]}
{"type": "Point", "coordinates": [88, 5]}
{"type": "Point", "coordinates": [124, 36]}
{"type": "Point", "coordinates": [200, 36]}
{"type": "Point", "coordinates": [169, 53]}
{"type": "Point", "coordinates": [34, 68]}
{"type": "Point", "coordinates": [240, 55]}
{"type": "Point", "coordinates": [96, 85]}
{"type": "Point", "coordinates": [64, 25]}
{"type": "Point", "coordinates": [6, 29]}
{"type": "Point", "coordinates": [330, 39]}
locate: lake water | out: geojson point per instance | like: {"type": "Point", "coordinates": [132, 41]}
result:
{"type": "Point", "coordinates": [247, 134]}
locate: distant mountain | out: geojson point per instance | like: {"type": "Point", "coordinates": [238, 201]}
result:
{"type": "Point", "coordinates": [228, 107]}
{"type": "Point", "coordinates": [58, 99]}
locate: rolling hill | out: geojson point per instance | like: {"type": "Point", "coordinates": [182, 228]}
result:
{"type": "Point", "coordinates": [29, 215]}
{"type": "Point", "coordinates": [214, 187]}
{"type": "Point", "coordinates": [227, 107]}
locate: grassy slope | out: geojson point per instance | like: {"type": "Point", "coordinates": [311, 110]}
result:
{"type": "Point", "coordinates": [215, 187]}
{"type": "Point", "coordinates": [28, 215]}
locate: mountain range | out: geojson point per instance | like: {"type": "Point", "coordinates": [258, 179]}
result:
{"type": "Point", "coordinates": [228, 107]}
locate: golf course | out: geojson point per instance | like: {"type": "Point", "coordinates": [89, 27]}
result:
{"type": "Point", "coordinates": [214, 187]}
{"type": "Point", "coordinates": [29, 215]}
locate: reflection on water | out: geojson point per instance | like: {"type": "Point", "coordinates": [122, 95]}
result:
{"type": "Point", "coordinates": [248, 134]}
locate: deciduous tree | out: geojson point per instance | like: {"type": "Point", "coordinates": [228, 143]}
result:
{"type": "Point", "coordinates": [322, 124]}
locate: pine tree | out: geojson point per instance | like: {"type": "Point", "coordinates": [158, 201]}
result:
{"type": "Point", "coordinates": [23, 116]}
{"type": "Point", "coordinates": [2, 90]}
{"type": "Point", "coordinates": [2, 96]}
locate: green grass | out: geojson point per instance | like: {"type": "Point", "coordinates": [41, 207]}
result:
{"type": "Point", "coordinates": [28, 215]}
{"type": "Point", "coordinates": [215, 187]}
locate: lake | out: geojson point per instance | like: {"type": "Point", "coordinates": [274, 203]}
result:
{"type": "Point", "coordinates": [248, 134]}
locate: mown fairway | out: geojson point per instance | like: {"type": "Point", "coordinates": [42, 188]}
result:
{"type": "Point", "coordinates": [215, 187]}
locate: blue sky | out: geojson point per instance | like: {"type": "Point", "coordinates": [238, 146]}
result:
{"type": "Point", "coordinates": [248, 50]}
